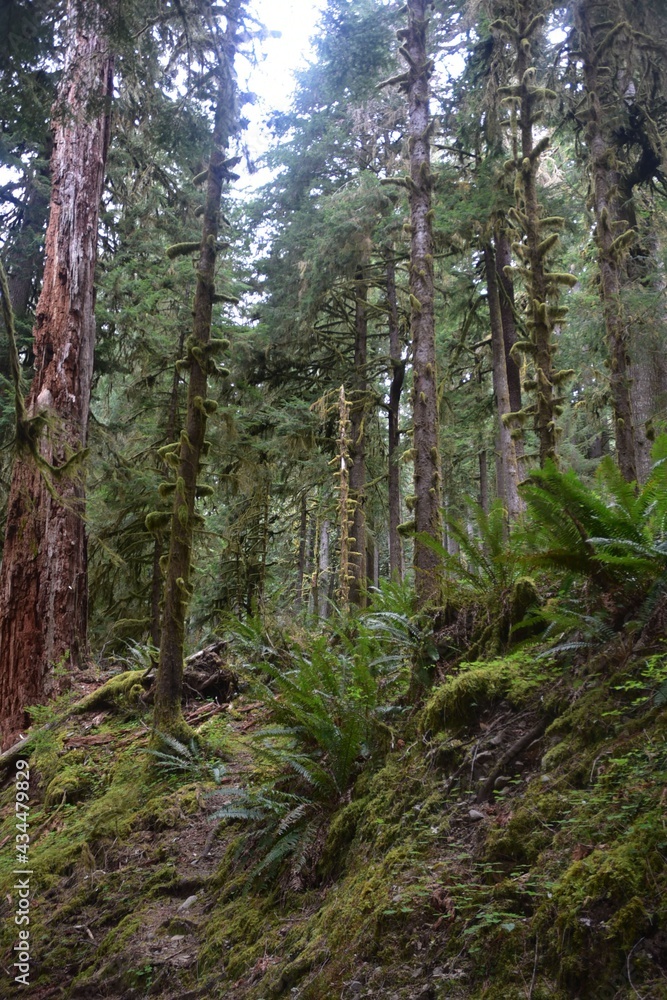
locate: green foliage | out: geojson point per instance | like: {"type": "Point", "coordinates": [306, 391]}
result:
{"type": "Point", "coordinates": [186, 759]}
{"type": "Point", "coordinates": [330, 706]}
{"type": "Point", "coordinates": [477, 686]}
{"type": "Point", "coordinates": [612, 534]}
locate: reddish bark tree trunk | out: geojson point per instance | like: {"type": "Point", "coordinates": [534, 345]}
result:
{"type": "Point", "coordinates": [43, 585]}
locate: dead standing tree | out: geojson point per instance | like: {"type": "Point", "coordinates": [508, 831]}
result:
{"type": "Point", "coordinates": [43, 581]}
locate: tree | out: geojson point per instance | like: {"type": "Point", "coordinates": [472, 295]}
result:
{"type": "Point", "coordinates": [43, 587]}
{"type": "Point", "coordinates": [200, 363]}
{"type": "Point", "coordinates": [542, 286]}
{"type": "Point", "coordinates": [612, 235]}
{"type": "Point", "coordinates": [621, 114]}
{"type": "Point", "coordinates": [422, 324]}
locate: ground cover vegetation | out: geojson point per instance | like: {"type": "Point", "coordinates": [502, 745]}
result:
{"type": "Point", "coordinates": [334, 582]}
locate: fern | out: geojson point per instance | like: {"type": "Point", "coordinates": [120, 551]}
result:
{"type": "Point", "coordinates": [613, 535]}
{"type": "Point", "coordinates": [184, 759]}
{"type": "Point", "coordinates": [328, 705]}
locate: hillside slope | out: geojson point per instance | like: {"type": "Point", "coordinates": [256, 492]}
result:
{"type": "Point", "coordinates": [510, 843]}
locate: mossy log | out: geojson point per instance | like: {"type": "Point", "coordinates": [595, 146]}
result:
{"type": "Point", "coordinates": [204, 677]}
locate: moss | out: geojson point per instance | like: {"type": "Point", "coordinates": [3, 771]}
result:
{"type": "Point", "coordinates": [446, 751]}
{"type": "Point", "coordinates": [561, 752]}
{"type": "Point", "coordinates": [164, 812]}
{"type": "Point", "coordinates": [119, 691]}
{"type": "Point", "coordinates": [339, 837]}
{"type": "Point", "coordinates": [71, 784]}
{"type": "Point", "coordinates": [238, 932]}
{"type": "Point", "coordinates": [476, 687]}
{"type": "Point", "coordinates": [588, 718]}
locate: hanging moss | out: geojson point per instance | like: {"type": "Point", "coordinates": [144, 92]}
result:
{"type": "Point", "coordinates": [182, 249]}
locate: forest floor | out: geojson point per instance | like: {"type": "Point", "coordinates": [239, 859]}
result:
{"type": "Point", "coordinates": [511, 843]}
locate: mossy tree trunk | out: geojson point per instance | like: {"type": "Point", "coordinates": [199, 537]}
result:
{"type": "Point", "coordinates": [539, 236]}
{"type": "Point", "coordinates": [610, 229]}
{"type": "Point", "coordinates": [200, 348]}
{"type": "Point", "coordinates": [503, 256]}
{"type": "Point", "coordinates": [427, 564]}
{"type": "Point", "coordinates": [344, 574]}
{"type": "Point", "coordinates": [43, 581]}
{"type": "Point", "coordinates": [358, 412]}
{"type": "Point", "coordinates": [508, 458]}
{"type": "Point", "coordinates": [394, 434]}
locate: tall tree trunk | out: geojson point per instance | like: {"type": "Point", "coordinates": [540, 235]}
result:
{"type": "Point", "coordinates": [323, 570]}
{"type": "Point", "coordinates": [609, 227]}
{"type": "Point", "coordinates": [358, 444]}
{"type": "Point", "coordinates": [157, 580]}
{"type": "Point", "coordinates": [156, 593]}
{"type": "Point", "coordinates": [394, 434]}
{"type": "Point", "coordinates": [427, 564]}
{"type": "Point", "coordinates": [508, 459]}
{"type": "Point", "coordinates": [169, 683]}
{"type": "Point", "coordinates": [648, 396]}
{"type": "Point", "coordinates": [43, 581]}
{"type": "Point", "coordinates": [344, 500]}
{"type": "Point", "coordinates": [503, 253]}
{"type": "Point", "coordinates": [529, 212]}
{"type": "Point", "coordinates": [301, 565]}
{"type": "Point", "coordinates": [646, 371]}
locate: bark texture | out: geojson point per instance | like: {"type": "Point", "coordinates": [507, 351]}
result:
{"type": "Point", "coordinates": [610, 228]}
{"type": "Point", "coordinates": [508, 460]}
{"type": "Point", "coordinates": [394, 434]}
{"type": "Point", "coordinates": [358, 399]}
{"type": "Point", "coordinates": [427, 564]}
{"type": "Point", "coordinates": [43, 582]}
{"type": "Point", "coordinates": [533, 251]}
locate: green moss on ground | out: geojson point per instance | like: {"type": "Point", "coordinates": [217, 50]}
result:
{"type": "Point", "coordinates": [556, 885]}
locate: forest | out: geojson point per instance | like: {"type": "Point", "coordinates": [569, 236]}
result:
{"type": "Point", "coordinates": [333, 502]}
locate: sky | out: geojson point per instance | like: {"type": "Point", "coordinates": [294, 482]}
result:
{"type": "Point", "coordinates": [272, 79]}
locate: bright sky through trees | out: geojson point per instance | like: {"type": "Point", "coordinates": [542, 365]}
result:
{"type": "Point", "coordinates": [272, 78]}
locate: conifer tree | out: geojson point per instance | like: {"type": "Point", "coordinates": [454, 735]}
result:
{"type": "Point", "coordinates": [200, 362]}
{"type": "Point", "coordinates": [43, 581]}
{"type": "Point", "coordinates": [415, 83]}
{"type": "Point", "coordinates": [539, 232]}
{"type": "Point", "coordinates": [619, 115]}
